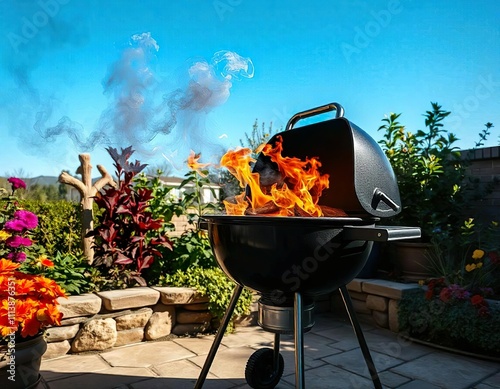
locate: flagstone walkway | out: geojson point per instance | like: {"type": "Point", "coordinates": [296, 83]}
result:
{"type": "Point", "coordinates": [332, 360]}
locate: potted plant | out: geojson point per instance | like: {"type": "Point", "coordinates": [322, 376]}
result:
{"type": "Point", "coordinates": [435, 190]}
{"type": "Point", "coordinates": [28, 301]}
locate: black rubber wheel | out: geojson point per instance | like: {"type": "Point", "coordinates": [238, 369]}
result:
{"type": "Point", "coordinates": [259, 371]}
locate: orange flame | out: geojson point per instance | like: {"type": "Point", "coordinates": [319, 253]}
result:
{"type": "Point", "coordinates": [302, 187]}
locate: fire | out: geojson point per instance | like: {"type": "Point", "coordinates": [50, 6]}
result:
{"type": "Point", "coordinates": [299, 192]}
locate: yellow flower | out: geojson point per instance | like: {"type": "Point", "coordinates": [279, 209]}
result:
{"type": "Point", "coordinates": [479, 265]}
{"type": "Point", "coordinates": [4, 235]}
{"type": "Point", "coordinates": [421, 282]}
{"type": "Point", "coordinates": [470, 267]}
{"type": "Point", "coordinates": [477, 254]}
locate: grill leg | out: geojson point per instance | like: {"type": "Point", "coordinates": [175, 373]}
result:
{"type": "Point", "coordinates": [276, 356]}
{"type": "Point", "coordinates": [361, 339]}
{"type": "Point", "coordinates": [218, 337]}
{"type": "Point", "coordinates": [299, 342]}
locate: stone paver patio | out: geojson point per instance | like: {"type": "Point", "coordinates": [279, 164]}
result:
{"type": "Point", "coordinates": [332, 360]}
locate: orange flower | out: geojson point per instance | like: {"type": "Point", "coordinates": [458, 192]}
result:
{"type": "Point", "coordinates": [477, 254]}
{"type": "Point", "coordinates": [7, 266]}
{"type": "Point", "coordinates": [470, 267]}
{"type": "Point", "coordinates": [44, 261]}
{"type": "Point", "coordinates": [193, 164]}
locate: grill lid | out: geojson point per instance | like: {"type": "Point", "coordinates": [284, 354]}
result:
{"type": "Point", "coordinates": [361, 178]}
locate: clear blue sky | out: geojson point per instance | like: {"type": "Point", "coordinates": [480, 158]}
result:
{"type": "Point", "coordinates": [77, 76]}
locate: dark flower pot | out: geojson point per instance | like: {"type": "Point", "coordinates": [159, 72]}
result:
{"type": "Point", "coordinates": [411, 260]}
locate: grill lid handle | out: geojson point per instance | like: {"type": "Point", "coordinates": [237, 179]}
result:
{"type": "Point", "coordinates": [379, 196]}
{"type": "Point", "coordinates": [315, 111]}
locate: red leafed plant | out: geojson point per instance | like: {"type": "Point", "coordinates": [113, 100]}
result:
{"type": "Point", "coordinates": [126, 236]}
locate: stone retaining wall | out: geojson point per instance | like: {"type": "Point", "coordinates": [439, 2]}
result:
{"type": "Point", "coordinates": [375, 300]}
{"type": "Point", "coordinates": [95, 322]}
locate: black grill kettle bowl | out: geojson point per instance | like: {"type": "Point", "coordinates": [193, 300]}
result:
{"type": "Point", "coordinates": [288, 259]}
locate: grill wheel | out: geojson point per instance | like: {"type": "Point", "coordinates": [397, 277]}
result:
{"type": "Point", "coordinates": [259, 371]}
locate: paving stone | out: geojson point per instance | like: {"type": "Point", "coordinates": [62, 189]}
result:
{"type": "Point", "coordinates": [71, 364]}
{"type": "Point", "coordinates": [183, 383]}
{"type": "Point", "coordinates": [132, 335]}
{"type": "Point", "coordinates": [248, 336]}
{"type": "Point", "coordinates": [493, 381]}
{"type": "Point", "coordinates": [146, 354]}
{"type": "Point", "coordinates": [418, 384]}
{"type": "Point", "coordinates": [136, 297]}
{"type": "Point", "coordinates": [329, 376]}
{"type": "Point", "coordinates": [87, 304]}
{"type": "Point", "coordinates": [199, 345]}
{"type": "Point", "coordinates": [57, 349]}
{"type": "Point", "coordinates": [97, 334]}
{"type": "Point", "coordinates": [392, 380]}
{"type": "Point", "coordinates": [105, 379]}
{"type": "Point", "coordinates": [57, 334]}
{"type": "Point", "coordinates": [179, 296]}
{"type": "Point", "coordinates": [447, 370]}
{"type": "Point", "coordinates": [228, 363]}
{"type": "Point", "coordinates": [135, 319]}
{"type": "Point", "coordinates": [354, 362]}
{"type": "Point", "coordinates": [376, 303]}
{"type": "Point", "coordinates": [385, 288]}
{"type": "Point", "coordinates": [395, 346]}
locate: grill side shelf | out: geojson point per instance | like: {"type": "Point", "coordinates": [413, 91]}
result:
{"type": "Point", "coordinates": [380, 233]}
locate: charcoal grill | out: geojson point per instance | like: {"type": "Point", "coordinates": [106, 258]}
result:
{"type": "Point", "coordinates": [290, 260]}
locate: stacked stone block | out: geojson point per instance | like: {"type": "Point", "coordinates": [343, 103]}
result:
{"type": "Point", "coordinates": [96, 322]}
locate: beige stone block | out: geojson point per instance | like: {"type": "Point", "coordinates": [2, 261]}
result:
{"type": "Point", "coordinates": [133, 335]}
{"type": "Point", "coordinates": [57, 334]}
{"type": "Point", "coordinates": [190, 329]}
{"type": "Point", "coordinates": [393, 315]}
{"type": "Point", "coordinates": [389, 289]}
{"type": "Point", "coordinates": [136, 297]}
{"type": "Point", "coordinates": [358, 296]}
{"type": "Point", "coordinates": [57, 349]}
{"type": "Point", "coordinates": [97, 334]}
{"type": "Point", "coordinates": [87, 304]}
{"type": "Point", "coordinates": [160, 323]}
{"type": "Point", "coordinates": [196, 307]}
{"type": "Point", "coordinates": [355, 285]}
{"type": "Point", "coordinates": [360, 307]}
{"type": "Point", "coordinates": [137, 319]}
{"type": "Point", "coordinates": [381, 318]}
{"type": "Point", "coordinates": [179, 296]}
{"type": "Point", "coordinates": [377, 303]}
{"type": "Point", "coordinates": [185, 317]}
{"type": "Point", "coordinates": [75, 320]}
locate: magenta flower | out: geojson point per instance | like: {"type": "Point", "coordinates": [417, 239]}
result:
{"type": "Point", "coordinates": [16, 183]}
{"type": "Point", "coordinates": [23, 220]}
{"type": "Point", "coordinates": [16, 241]}
{"type": "Point", "coordinates": [15, 225]}
{"type": "Point", "coordinates": [18, 257]}
{"type": "Point", "coordinates": [30, 219]}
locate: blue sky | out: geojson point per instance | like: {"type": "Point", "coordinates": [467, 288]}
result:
{"type": "Point", "coordinates": [78, 76]}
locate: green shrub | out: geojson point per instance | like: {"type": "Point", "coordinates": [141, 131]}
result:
{"type": "Point", "coordinates": [456, 324]}
{"type": "Point", "coordinates": [59, 226]}
{"type": "Point", "coordinates": [214, 283]}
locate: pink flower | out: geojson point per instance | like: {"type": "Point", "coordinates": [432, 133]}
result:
{"type": "Point", "coordinates": [16, 241]}
{"type": "Point", "coordinates": [445, 295]}
{"type": "Point", "coordinates": [22, 220]}
{"type": "Point", "coordinates": [18, 257]}
{"type": "Point", "coordinates": [29, 218]}
{"type": "Point", "coordinates": [16, 183]}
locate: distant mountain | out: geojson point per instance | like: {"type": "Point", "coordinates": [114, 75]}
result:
{"type": "Point", "coordinates": [42, 180]}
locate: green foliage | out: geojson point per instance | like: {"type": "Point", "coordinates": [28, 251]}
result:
{"type": "Point", "coordinates": [214, 283]}
{"type": "Point", "coordinates": [435, 191]}
{"type": "Point", "coordinates": [456, 324]}
{"type": "Point", "coordinates": [59, 226]}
